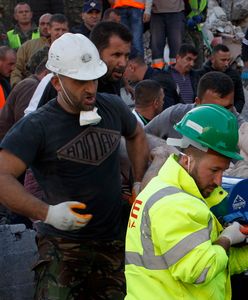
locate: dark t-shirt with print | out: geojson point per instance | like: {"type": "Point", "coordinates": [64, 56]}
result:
{"type": "Point", "coordinates": [76, 163]}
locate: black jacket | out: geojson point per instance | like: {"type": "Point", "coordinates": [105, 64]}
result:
{"type": "Point", "coordinates": [172, 94]}
{"type": "Point", "coordinates": [239, 98]}
{"type": "Point", "coordinates": [81, 29]}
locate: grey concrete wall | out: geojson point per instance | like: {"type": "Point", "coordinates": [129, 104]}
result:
{"type": "Point", "coordinates": [18, 252]}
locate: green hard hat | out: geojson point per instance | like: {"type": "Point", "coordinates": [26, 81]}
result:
{"type": "Point", "coordinates": [212, 126]}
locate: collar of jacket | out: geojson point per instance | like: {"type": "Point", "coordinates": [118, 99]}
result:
{"type": "Point", "coordinates": [17, 29]}
{"type": "Point", "coordinates": [208, 66]}
{"type": "Point", "coordinates": [174, 174]}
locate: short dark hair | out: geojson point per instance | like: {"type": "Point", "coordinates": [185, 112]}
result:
{"type": "Point", "coordinates": [4, 50]}
{"type": "Point", "coordinates": [21, 3]}
{"type": "Point", "coordinates": [220, 47]}
{"type": "Point", "coordinates": [58, 18]}
{"type": "Point", "coordinates": [103, 31]}
{"type": "Point", "coordinates": [186, 49]}
{"type": "Point", "coordinates": [217, 82]}
{"type": "Point", "coordinates": [108, 11]}
{"type": "Point", "coordinates": [41, 66]}
{"type": "Point", "coordinates": [146, 91]}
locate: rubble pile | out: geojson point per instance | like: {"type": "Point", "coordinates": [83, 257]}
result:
{"type": "Point", "coordinates": [219, 20]}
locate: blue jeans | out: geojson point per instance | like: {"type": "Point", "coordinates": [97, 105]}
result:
{"type": "Point", "coordinates": [133, 18]}
{"type": "Point", "coordinates": [168, 26]}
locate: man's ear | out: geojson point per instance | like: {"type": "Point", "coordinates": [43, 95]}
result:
{"type": "Point", "coordinates": [56, 84]}
{"type": "Point", "coordinates": [197, 100]}
{"type": "Point", "coordinates": [183, 161]}
{"type": "Point", "coordinates": [132, 66]}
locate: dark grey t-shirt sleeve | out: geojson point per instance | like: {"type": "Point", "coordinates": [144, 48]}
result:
{"type": "Point", "coordinates": [24, 139]}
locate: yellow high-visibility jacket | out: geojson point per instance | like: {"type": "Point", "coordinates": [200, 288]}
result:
{"type": "Point", "coordinates": [14, 39]}
{"type": "Point", "coordinates": [169, 244]}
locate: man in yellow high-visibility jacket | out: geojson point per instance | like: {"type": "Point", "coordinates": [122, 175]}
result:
{"type": "Point", "coordinates": [24, 29]}
{"type": "Point", "coordinates": [175, 246]}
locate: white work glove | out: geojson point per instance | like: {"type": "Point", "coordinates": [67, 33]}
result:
{"type": "Point", "coordinates": [233, 233]}
{"type": "Point", "coordinates": [67, 215]}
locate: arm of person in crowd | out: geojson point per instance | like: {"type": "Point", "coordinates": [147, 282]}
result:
{"type": "Point", "coordinates": [128, 88]}
{"type": "Point", "coordinates": [147, 12]}
{"type": "Point", "coordinates": [138, 152]}
{"type": "Point", "coordinates": [63, 216]}
{"type": "Point", "coordinates": [18, 73]}
{"type": "Point", "coordinates": [158, 157]}
{"type": "Point", "coordinates": [158, 126]}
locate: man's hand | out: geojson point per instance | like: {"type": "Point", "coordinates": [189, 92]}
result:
{"type": "Point", "coordinates": [233, 233]}
{"type": "Point", "coordinates": [146, 18]}
{"type": "Point", "coordinates": [67, 216]}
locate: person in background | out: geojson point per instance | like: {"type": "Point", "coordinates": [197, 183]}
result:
{"type": "Point", "coordinates": [196, 13]}
{"type": "Point", "coordinates": [19, 98]}
{"type": "Point", "coordinates": [167, 26]}
{"type": "Point", "coordinates": [180, 79]}
{"type": "Point", "coordinates": [134, 14]}
{"type": "Point", "coordinates": [72, 147]}
{"type": "Point", "coordinates": [213, 88]}
{"type": "Point", "coordinates": [174, 243]}
{"type": "Point", "coordinates": [27, 49]}
{"type": "Point", "coordinates": [24, 29]}
{"type": "Point", "coordinates": [220, 61]}
{"type": "Point", "coordinates": [111, 14]}
{"type": "Point", "coordinates": [7, 65]}
{"type": "Point", "coordinates": [113, 41]}
{"type": "Point", "coordinates": [91, 15]}
{"type": "Point", "coordinates": [149, 100]}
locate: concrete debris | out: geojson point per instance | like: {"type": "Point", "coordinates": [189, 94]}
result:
{"type": "Point", "coordinates": [18, 252]}
{"type": "Point", "coordinates": [219, 23]}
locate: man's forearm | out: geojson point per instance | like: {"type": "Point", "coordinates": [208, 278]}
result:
{"type": "Point", "coordinates": [138, 152]}
{"type": "Point", "coordinates": [17, 199]}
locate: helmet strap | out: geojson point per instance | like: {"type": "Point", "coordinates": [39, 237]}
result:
{"type": "Point", "coordinates": [67, 96]}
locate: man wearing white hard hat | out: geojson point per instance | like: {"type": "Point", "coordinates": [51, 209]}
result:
{"type": "Point", "coordinates": [72, 146]}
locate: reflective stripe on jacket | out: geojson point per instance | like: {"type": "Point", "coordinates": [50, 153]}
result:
{"type": "Point", "coordinates": [169, 245]}
{"type": "Point", "coordinates": [14, 39]}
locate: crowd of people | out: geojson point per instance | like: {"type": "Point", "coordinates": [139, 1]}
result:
{"type": "Point", "coordinates": [120, 192]}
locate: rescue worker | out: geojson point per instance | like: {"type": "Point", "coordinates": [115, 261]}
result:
{"type": "Point", "coordinates": [24, 29]}
{"type": "Point", "coordinates": [196, 13]}
{"type": "Point", "coordinates": [72, 146]}
{"type": "Point", "coordinates": [175, 246]}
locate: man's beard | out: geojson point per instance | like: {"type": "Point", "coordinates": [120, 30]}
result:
{"type": "Point", "coordinates": [195, 174]}
{"type": "Point", "coordinates": [108, 75]}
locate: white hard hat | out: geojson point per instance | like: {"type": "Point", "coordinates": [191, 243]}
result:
{"type": "Point", "coordinates": [75, 56]}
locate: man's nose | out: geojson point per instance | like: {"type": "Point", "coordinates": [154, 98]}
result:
{"type": "Point", "coordinates": [218, 178]}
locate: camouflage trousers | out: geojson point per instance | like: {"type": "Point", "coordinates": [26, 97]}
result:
{"type": "Point", "coordinates": [89, 270]}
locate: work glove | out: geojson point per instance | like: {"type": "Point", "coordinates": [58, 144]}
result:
{"type": "Point", "coordinates": [67, 215]}
{"type": "Point", "coordinates": [233, 233]}
{"type": "Point", "coordinates": [191, 23]}
{"type": "Point", "coordinates": [198, 19]}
